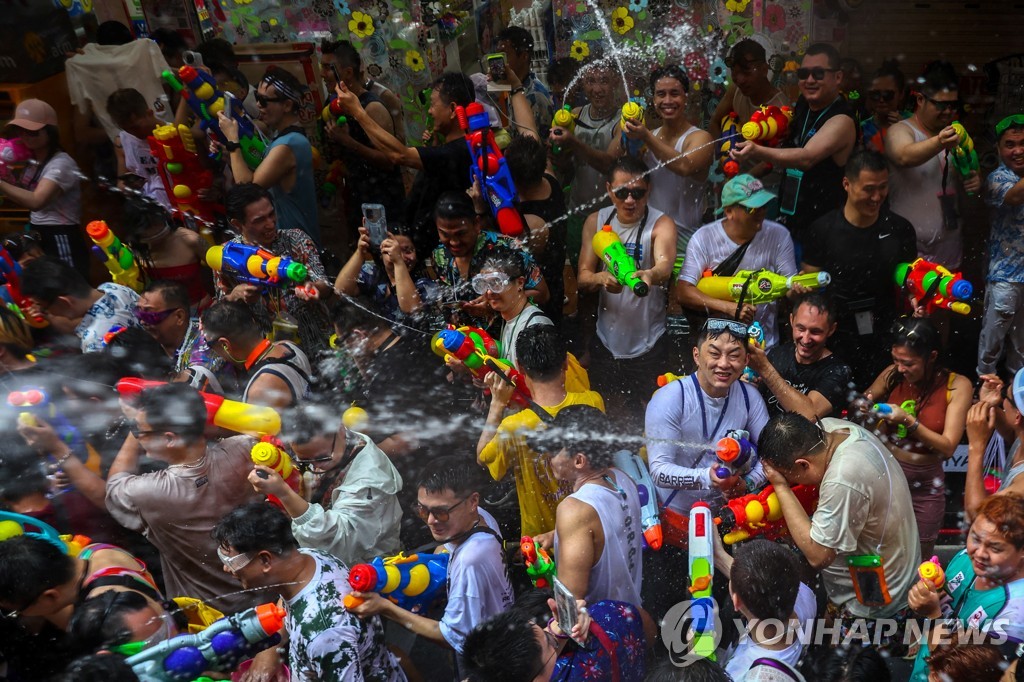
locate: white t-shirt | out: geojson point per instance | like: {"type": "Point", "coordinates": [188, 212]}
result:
{"type": "Point", "coordinates": [864, 507]}
{"type": "Point", "coordinates": [805, 607]}
{"type": "Point", "coordinates": [478, 586]}
{"type": "Point", "coordinates": [771, 249]}
{"type": "Point", "coordinates": [66, 209]}
{"type": "Point", "coordinates": [138, 159]}
{"type": "Point", "coordinates": [116, 307]}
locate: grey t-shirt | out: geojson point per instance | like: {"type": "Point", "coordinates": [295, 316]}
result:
{"type": "Point", "coordinates": [864, 507]}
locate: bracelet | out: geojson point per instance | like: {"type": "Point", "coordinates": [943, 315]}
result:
{"type": "Point", "coordinates": [913, 427]}
{"type": "Point", "coordinates": [60, 462]}
{"type": "Point", "coordinates": [518, 90]}
{"type": "Point", "coordinates": [548, 628]}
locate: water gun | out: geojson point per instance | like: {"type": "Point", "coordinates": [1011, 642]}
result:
{"type": "Point", "coordinates": [934, 286]}
{"type": "Point", "coordinates": [117, 257]}
{"type": "Point", "coordinates": [730, 136]}
{"type": "Point", "coordinates": [13, 524]}
{"type": "Point", "coordinates": [10, 291]}
{"type": "Point", "coordinates": [609, 248]}
{"type": "Point", "coordinates": [13, 153]}
{"type": "Point", "coordinates": [490, 169]}
{"type": "Point", "coordinates": [650, 521]}
{"type": "Point", "coordinates": [701, 550]}
{"type": "Point", "coordinates": [931, 572]}
{"type": "Point", "coordinates": [768, 125]}
{"type": "Point", "coordinates": [333, 112]}
{"type": "Point", "coordinates": [200, 91]}
{"type": "Point", "coordinates": [251, 420]}
{"type": "Point", "coordinates": [760, 513]}
{"type": "Point", "coordinates": [633, 112]}
{"type": "Point", "coordinates": [220, 647]}
{"type": "Point", "coordinates": [269, 452]}
{"type": "Point", "coordinates": [964, 158]}
{"type": "Point", "coordinates": [757, 286]}
{"type": "Point", "coordinates": [884, 410]}
{"type": "Point", "coordinates": [563, 119]}
{"type": "Point", "coordinates": [539, 565]}
{"type": "Point", "coordinates": [735, 454]}
{"type": "Point", "coordinates": [480, 353]}
{"type": "Point", "coordinates": [254, 265]}
{"type": "Point", "coordinates": [182, 171]}
{"type": "Point", "coordinates": [412, 581]}
{"type": "Point", "coordinates": [33, 401]}
{"type": "Point", "coordinates": [667, 378]}
{"type": "Point", "coordinates": [755, 337]}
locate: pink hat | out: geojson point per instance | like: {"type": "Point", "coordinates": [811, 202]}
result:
{"type": "Point", "coordinates": [34, 114]}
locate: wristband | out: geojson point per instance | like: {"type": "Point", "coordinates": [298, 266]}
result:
{"type": "Point", "coordinates": [518, 90]}
{"type": "Point", "coordinates": [232, 146]}
{"type": "Point", "coordinates": [557, 636]}
{"type": "Point", "coordinates": [913, 427]}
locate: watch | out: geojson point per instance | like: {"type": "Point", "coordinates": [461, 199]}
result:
{"type": "Point", "coordinates": [232, 146]}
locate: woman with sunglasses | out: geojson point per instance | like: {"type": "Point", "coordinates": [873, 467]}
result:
{"type": "Point", "coordinates": [501, 282]}
{"type": "Point", "coordinates": [925, 416]}
{"type": "Point", "coordinates": [50, 185]}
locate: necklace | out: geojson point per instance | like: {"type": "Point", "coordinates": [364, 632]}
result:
{"type": "Point", "coordinates": [194, 465]}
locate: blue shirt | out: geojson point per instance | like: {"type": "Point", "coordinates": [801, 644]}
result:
{"type": "Point", "coordinates": [297, 209]}
{"type": "Point", "coordinates": [1005, 243]}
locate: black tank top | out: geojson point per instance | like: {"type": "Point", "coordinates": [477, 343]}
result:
{"type": "Point", "coordinates": [552, 261]}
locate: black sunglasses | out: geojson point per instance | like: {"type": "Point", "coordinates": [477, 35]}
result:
{"type": "Point", "coordinates": [818, 72]}
{"type": "Point", "coordinates": [881, 95]}
{"type": "Point", "coordinates": [951, 105]}
{"type": "Point", "coordinates": [637, 193]}
{"type": "Point", "coordinates": [263, 100]}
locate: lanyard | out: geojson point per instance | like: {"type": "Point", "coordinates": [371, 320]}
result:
{"type": "Point", "coordinates": [703, 411]}
{"type": "Point", "coordinates": [639, 232]}
{"type": "Point", "coordinates": [802, 140]}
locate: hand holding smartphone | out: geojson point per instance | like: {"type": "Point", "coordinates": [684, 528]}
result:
{"type": "Point", "coordinates": [376, 223]}
{"type": "Point", "coordinates": [497, 67]}
{"type": "Point", "coordinates": [568, 614]}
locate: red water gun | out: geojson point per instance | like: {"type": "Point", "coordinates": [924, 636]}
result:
{"type": "Point", "coordinates": [933, 286]}
{"type": "Point", "coordinates": [768, 125]}
{"type": "Point", "coordinates": [490, 169]}
{"type": "Point", "coordinates": [183, 173]}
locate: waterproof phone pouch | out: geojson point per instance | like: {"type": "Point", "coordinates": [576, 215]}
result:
{"type": "Point", "coordinates": [868, 576]}
{"type": "Point", "coordinates": [789, 192]}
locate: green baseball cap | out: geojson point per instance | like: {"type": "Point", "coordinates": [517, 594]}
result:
{"type": "Point", "coordinates": [745, 190]}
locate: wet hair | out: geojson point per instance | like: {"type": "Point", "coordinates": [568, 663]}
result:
{"type": "Point", "coordinates": [823, 663]}
{"type": "Point", "coordinates": [232, 320]}
{"type": "Point", "coordinates": [788, 437]}
{"type": "Point", "coordinates": [349, 314]}
{"type": "Point", "coordinates": [976, 662]}
{"type": "Point", "coordinates": [864, 160]}
{"type": "Point", "coordinates": [502, 649]}
{"type": "Point", "coordinates": [527, 158]}
{"type": "Point", "coordinates": [344, 53]}
{"type": "Point", "coordinates": [48, 278]}
{"type": "Point", "coordinates": [579, 429]}
{"type": "Point", "coordinates": [140, 214]}
{"type": "Point", "coordinates": [240, 197]}
{"type": "Point", "coordinates": [766, 576]}
{"type": "Point", "coordinates": [125, 104]}
{"type": "Point", "coordinates": [891, 68]}
{"type": "Point", "coordinates": [921, 338]}
{"type": "Point", "coordinates": [15, 334]}
{"type": "Point", "coordinates": [218, 54]}
{"type": "Point", "coordinates": [518, 37]}
{"type": "Point", "coordinates": [21, 473]}
{"type": "Point", "coordinates": [169, 40]}
{"type": "Point", "coordinates": [700, 670]}
{"type": "Point", "coordinates": [175, 294]}
{"type": "Point", "coordinates": [98, 622]}
{"type": "Point", "coordinates": [533, 605]}
{"type": "Point", "coordinates": [256, 527]}
{"type": "Point", "coordinates": [541, 352]}
{"type": "Point", "coordinates": [115, 33]}
{"type": "Point", "coordinates": [506, 261]}
{"type": "Point", "coordinates": [175, 408]}
{"type": "Point", "coordinates": [819, 300]}
{"type": "Point", "coordinates": [455, 88]}
{"type": "Point", "coordinates": [670, 71]}
{"type": "Point", "coordinates": [99, 668]}
{"type": "Point", "coordinates": [707, 333]}
{"type": "Point", "coordinates": [454, 206]}
{"type": "Point", "coordinates": [91, 375]}
{"type": "Point", "coordinates": [632, 166]}
{"type": "Point", "coordinates": [136, 350]}
{"type": "Point", "coordinates": [28, 567]}
{"type": "Point", "coordinates": [748, 50]}
{"type": "Point", "coordinates": [1006, 511]}
{"type": "Point", "coordinates": [827, 50]}
{"type": "Point", "coordinates": [938, 76]}
{"type": "Point", "coordinates": [451, 472]}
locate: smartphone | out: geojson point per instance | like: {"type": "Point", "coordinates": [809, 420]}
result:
{"type": "Point", "coordinates": [192, 58]}
{"type": "Point", "coordinates": [376, 223]}
{"type": "Point", "coordinates": [496, 67]}
{"type": "Point", "coordinates": [565, 605]}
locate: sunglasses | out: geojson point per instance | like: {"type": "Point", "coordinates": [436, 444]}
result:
{"type": "Point", "coordinates": [637, 193]}
{"type": "Point", "coordinates": [440, 514]}
{"type": "Point", "coordinates": [1013, 120]}
{"type": "Point", "coordinates": [716, 325]}
{"type": "Point", "coordinates": [235, 563]}
{"type": "Point", "coordinates": [881, 95]}
{"type": "Point", "coordinates": [495, 282]}
{"type": "Point", "coordinates": [951, 105]}
{"type": "Point", "coordinates": [818, 72]}
{"type": "Point", "coordinates": [151, 318]}
{"type": "Point", "coordinates": [263, 100]}
{"type": "Point", "coordinates": [133, 428]}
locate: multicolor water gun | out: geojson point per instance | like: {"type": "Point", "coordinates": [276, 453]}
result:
{"type": "Point", "coordinates": [730, 137]}
{"type": "Point", "coordinates": [563, 119]}
{"type": "Point", "coordinates": [251, 420]}
{"type": "Point", "coordinates": [412, 581]}
{"type": "Point", "coordinates": [609, 248]}
{"type": "Point", "coordinates": [735, 454]}
{"type": "Point", "coordinates": [269, 452]}
{"type": "Point", "coordinates": [481, 355]}
{"type": "Point", "coordinates": [885, 410]}
{"type": "Point", "coordinates": [13, 524]}
{"type": "Point", "coordinates": [206, 100]}
{"type": "Point", "coordinates": [539, 564]}
{"type": "Point", "coordinates": [650, 520]}
{"type": "Point", "coordinates": [34, 402]}
{"type": "Point", "coordinates": [701, 550]}
{"type": "Point", "coordinates": [633, 112]}
{"type": "Point", "coordinates": [667, 378]}
{"type": "Point", "coordinates": [931, 572]}
{"type": "Point", "coordinates": [220, 647]}
{"type": "Point", "coordinates": [757, 286]}
{"type": "Point", "coordinates": [490, 169]}
{"type": "Point", "coordinates": [334, 113]}
{"type": "Point", "coordinates": [933, 286]}
{"type": "Point", "coordinates": [760, 513]}
{"type": "Point", "coordinates": [768, 125]}
{"type": "Point", "coordinates": [963, 156]}
{"type": "Point", "coordinates": [118, 258]}
{"type": "Point", "coordinates": [755, 337]}
{"type": "Point", "coordinates": [182, 171]}
{"type": "Point", "coordinates": [10, 291]}
{"type": "Point", "coordinates": [13, 154]}
{"type": "Point", "coordinates": [255, 265]}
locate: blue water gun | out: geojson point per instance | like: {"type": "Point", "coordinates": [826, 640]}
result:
{"type": "Point", "coordinates": [253, 265]}
{"type": "Point", "coordinates": [33, 402]}
{"type": "Point", "coordinates": [411, 581]}
{"type": "Point", "coordinates": [490, 169]}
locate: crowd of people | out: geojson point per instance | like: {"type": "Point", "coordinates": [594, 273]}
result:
{"type": "Point", "coordinates": [140, 412]}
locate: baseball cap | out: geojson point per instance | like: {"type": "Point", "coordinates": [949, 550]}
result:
{"type": "Point", "coordinates": [34, 114]}
{"type": "Point", "coordinates": [745, 190]}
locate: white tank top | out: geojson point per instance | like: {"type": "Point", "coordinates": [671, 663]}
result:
{"type": "Point", "coordinates": [627, 324]}
{"type": "Point", "coordinates": [619, 570]}
{"type": "Point", "coordinates": [681, 198]}
{"type": "Point", "coordinates": [588, 184]}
